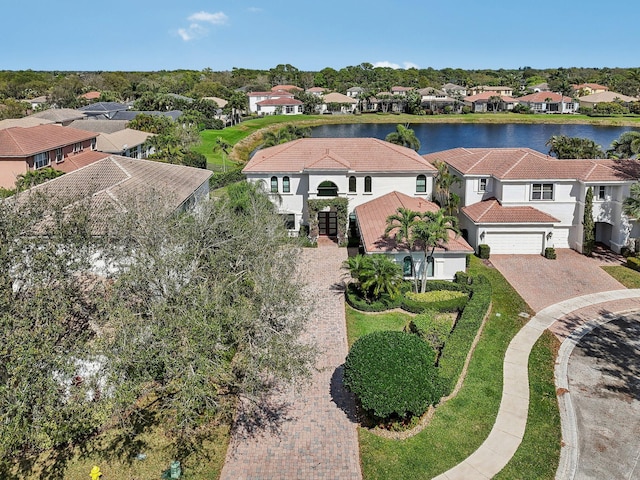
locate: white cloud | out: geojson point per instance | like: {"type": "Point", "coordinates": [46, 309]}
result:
{"type": "Point", "coordinates": [218, 18]}
{"type": "Point", "coordinates": [395, 66]}
{"type": "Point", "coordinates": [255, 9]}
{"type": "Point", "coordinates": [193, 31]}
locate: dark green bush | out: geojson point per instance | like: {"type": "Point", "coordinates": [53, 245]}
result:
{"type": "Point", "coordinates": [462, 278]}
{"type": "Point", "coordinates": [431, 329]}
{"type": "Point", "coordinates": [392, 374]}
{"type": "Point", "coordinates": [626, 252]}
{"type": "Point", "coordinates": [356, 300]}
{"type": "Point", "coordinates": [222, 179]}
{"type": "Point", "coordinates": [550, 253]}
{"type": "Point", "coordinates": [484, 251]}
{"type": "Point", "coordinates": [451, 305]}
{"type": "Point", "coordinates": [459, 342]}
{"type": "Point", "coordinates": [634, 263]}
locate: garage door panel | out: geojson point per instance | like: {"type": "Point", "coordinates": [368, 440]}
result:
{"type": "Point", "coordinates": [515, 242]}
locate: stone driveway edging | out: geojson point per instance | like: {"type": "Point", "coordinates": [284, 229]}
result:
{"type": "Point", "coordinates": [509, 428]}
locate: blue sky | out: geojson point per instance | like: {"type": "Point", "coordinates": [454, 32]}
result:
{"type": "Point", "coordinates": [312, 35]}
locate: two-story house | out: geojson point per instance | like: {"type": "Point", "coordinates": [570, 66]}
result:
{"type": "Point", "coordinates": [23, 149]}
{"type": "Point", "coordinates": [549, 102]}
{"type": "Point", "coordinates": [274, 101]}
{"type": "Point", "coordinates": [517, 200]}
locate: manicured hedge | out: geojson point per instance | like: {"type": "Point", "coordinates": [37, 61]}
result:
{"type": "Point", "coordinates": [431, 329]}
{"type": "Point", "coordinates": [415, 305]}
{"type": "Point", "coordinates": [392, 374]}
{"type": "Point", "coordinates": [484, 251]}
{"type": "Point", "coordinates": [633, 262]}
{"type": "Point", "coordinates": [459, 342]}
{"type": "Point", "coordinates": [355, 300]}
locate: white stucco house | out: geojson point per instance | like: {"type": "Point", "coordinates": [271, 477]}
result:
{"type": "Point", "coordinates": [338, 103]}
{"type": "Point", "coordinates": [549, 102]}
{"type": "Point", "coordinates": [371, 218]}
{"type": "Point", "coordinates": [267, 103]}
{"type": "Point", "coordinates": [517, 200]}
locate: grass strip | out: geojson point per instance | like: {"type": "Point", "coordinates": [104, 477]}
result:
{"type": "Point", "coordinates": [626, 276]}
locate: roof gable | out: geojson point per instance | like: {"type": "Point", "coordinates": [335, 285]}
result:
{"type": "Point", "coordinates": [27, 141]}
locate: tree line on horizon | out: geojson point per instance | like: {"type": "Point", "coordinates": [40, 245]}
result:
{"type": "Point", "coordinates": [64, 88]}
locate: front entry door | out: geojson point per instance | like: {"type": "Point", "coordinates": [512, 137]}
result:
{"type": "Point", "coordinates": [328, 224]}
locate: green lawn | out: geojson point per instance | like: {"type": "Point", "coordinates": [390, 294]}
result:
{"type": "Point", "coordinates": [462, 424]}
{"type": "Point", "coordinates": [360, 323]}
{"type": "Point", "coordinates": [626, 276]}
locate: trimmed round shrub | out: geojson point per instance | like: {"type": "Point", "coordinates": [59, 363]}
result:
{"type": "Point", "coordinates": [392, 374]}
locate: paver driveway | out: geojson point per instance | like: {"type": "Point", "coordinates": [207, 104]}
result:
{"type": "Point", "coordinates": [318, 440]}
{"type": "Point", "coordinates": [542, 282]}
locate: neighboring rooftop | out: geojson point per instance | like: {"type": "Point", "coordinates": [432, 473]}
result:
{"type": "Point", "coordinates": [335, 97]}
{"type": "Point", "coordinates": [23, 142]}
{"type": "Point", "coordinates": [491, 211]}
{"type": "Point", "coordinates": [372, 222]}
{"type": "Point", "coordinates": [346, 154]}
{"type": "Point", "coordinates": [607, 97]}
{"type": "Point", "coordinates": [545, 97]}
{"type": "Point", "coordinates": [24, 122]}
{"type": "Point", "coordinates": [99, 125]}
{"type": "Point", "coordinates": [60, 115]}
{"type": "Point", "coordinates": [119, 141]}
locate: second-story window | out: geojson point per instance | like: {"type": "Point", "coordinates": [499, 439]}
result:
{"type": "Point", "coordinates": [59, 155]}
{"type": "Point", "coordinates": [286, 185]}
{"type": "Point", "coordinates": [274, 184]}
{"type": "Point", "coordinates": [542, 191]}
{"type": "Point", "coordinates": [482, 184]}
{"type": "Point", "coordinates": [367, 184]}
{"type": "Point", "coordinates": [41, 160]}
{"type": "Point", "coordinates": [352, 184]}
{"type": "Point", "coordinates": [421, 184]}
{"type": "Point", "coordinates": [601, 193]}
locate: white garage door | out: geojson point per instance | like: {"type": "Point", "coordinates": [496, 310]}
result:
{"type": "Point", "coordinates": [514, 242]}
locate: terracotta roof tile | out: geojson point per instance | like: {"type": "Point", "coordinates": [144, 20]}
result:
{"type": "Point", "coordinates": [24, 142]}
{"type": "Point", "coordinates": [279, 101]}
{"type": "Point", "coordinates": [355, 154]}
{"type": "Point", "coordinates": [491, 211]}
{"type": "Point", "coordinates": [484, 96]}
{"type": "Point", "coordinates": [372, 221]}
{"type": "Point", "coordinates": [540, 97]}
{"type": "Point", "coordinates": [79, 160]}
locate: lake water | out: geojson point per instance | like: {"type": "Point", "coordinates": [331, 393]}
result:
{"type": "Point", "coordinates": [435, 137]}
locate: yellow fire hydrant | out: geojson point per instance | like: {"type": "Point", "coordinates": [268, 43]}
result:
{"type": "Point", "coordinates": [95, 473]}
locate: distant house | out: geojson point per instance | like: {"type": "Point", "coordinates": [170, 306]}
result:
{"type": "Point", "coordinates": [90, 96]}
{"type": "Point", "coordinates": [280, 106]}
{"type": "Point", "coordinates": [549, 102]}
{"type": "Point", "coordinates": [103, 109]}
{"type": "Point", "coordinates": [100, 126]}
{"type": "Point", "coordinates": [335, 102]}
{"type": "Point", "coordinates": [61, 116]}
{"type": "Point", "coordinates": [25, 122]}
{"type": "Point", "coordinates": [517, 200]}
{"type": "Point", "coordinates": [317, 91]}
{"type": "Point", "coordinates": [355, 92]}
{"type": "Point", "coordinates": [454, 90]}
{"type": "Point", "coordinates": [434, 99]}
{"type": "Point", "coordinates": [287, 88]}
{"type": "Point", "coordinates": [591, 101]}
{"type": "Point", "coordinates": [23, 149]}
{"type": "Point", "coordinates": [399, 90]}
{"type": "Point", "coordinates": [502, 91]}
{"type": "Point", "coordinates": [540, 87]}
{"type": "Point", "coordinates": [490, 102]}
{"type": "Point", "coordinates": [37, 102]}
{"type": "Point", "coordinates": [448, 258]}
{"type": "Point", "coordinates": [584, 89]}
{"type": "Point", "coordinates": [257, 97]}
{"type": "Point", "coordinates": [128, 142]}
{"type": "Point", "coordinates": [221, 102]}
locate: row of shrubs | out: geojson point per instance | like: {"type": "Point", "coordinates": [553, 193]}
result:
{"type": "Point", "coordinates": [408, 302]}
{"type": "Point", "coordinates": [394, 374]}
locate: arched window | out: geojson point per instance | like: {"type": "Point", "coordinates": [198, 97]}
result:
{"type": "Point", "coordinates": [367, 184]}
{"type": "Point", "coordinates": [327, 189]}
{"type": "Point", "coordinates": [421, 184]}
{"type": "Point", "coordinates": [274, 184]}
{"type": "Point", "coordinates": [286, 185]}
{"type": "Point", "coordinates": [407, 266]}
{"type": "Point", "coordinates": [352, 184]}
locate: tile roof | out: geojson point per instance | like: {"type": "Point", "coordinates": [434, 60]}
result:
{"type": "Point", "coordinates": [592, 86]}
{"type": "Point", "coordinates": [484, 96]}
{"type": "Point", "coordinates": [91, 95]}
{"type": "Point", "coordinates": [279, 101]}
{"type": "Point", "coordinates": [221, 102]}
{"type": "Point", "coordinates": [527, 164]}
{"type": "Point", "coordinates": [23, 122]}
{"type": "Point", "coordinates": [119, 141]}
{"type": "Point", "coordinates": [491, 211]}
{"type": "Point", "coordinates": [372, 221]}
{"type": "Point", "coordinates": [101, 107]}
{"type": "Point", "coordinates": [24, 142]}
{"type": "Point", "coordinates": [79, 160]}
{"type": "Point", "coordinates": [285, 87]}
{"type": "Point", "coordinates": [99, 125]}
{"type": "Point", "coordinates": [60, 115]}
{"type": "Point", "coordinates": [540, 97]}
{"type": "Point", "coordinates": [607, 97]}
{"type": "Point", "coordinates": [335, 97]}
{"type": "Point", "coordinates": [113, 182]}
{"type": "Point", "coordinates": [352, 154]}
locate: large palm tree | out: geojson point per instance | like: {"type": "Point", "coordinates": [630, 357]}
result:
{"type": "Point", "coordinates": [625, 146]}
{"type": "Point", "coordinates": [224, 148]}
{"type": "Point", "coordinates": [443, 181]}
{"type": "Point", "coordinates": [631, 205]}
{"type": "Point", "coordinates": [403, 222]}
{"type": "Point", "coordinates": [432, 230]}
{"type": "Point", "coordinates": [404, 136]}
{"type": "Point", "coordinates": [285, 134]}
{"type": "Point", "coordinates": [381, 275]}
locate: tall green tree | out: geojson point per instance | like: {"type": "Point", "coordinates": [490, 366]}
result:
{"type": "Point", "coordinates": [631, 204]}
{"type": "Point", "coordinates": [433, 230]}
{"type": "Point", "coordinates": [443, 181]}
{"type": "Point", "coordinates": [285, 134]}
{"type": "Point", "coordinates": [564, 147]}
{"type": "Point", "coordinates": [588, 225]}
{"type": "Point", "coordinates": [625, 146]}
{"type": "Point", "coordinates": [376, 275]}
{"type": "Point", "coordinates": [404, 136]}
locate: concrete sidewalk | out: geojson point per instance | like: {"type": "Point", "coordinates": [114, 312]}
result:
{"type": "Point", "coordinates": [508, 430]}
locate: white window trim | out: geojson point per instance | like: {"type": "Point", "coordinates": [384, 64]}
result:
{"type": "Point", "coordinates": [482, 189]}
{"type": "Point", "coordinates": [542, 191]}
{"type": "Point", "coordinates": [41, 156]}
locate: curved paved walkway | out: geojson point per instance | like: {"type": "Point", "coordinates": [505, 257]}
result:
{"type": "Point", "coordinates": [317, 439]}
{"type": "Point", "coordinates": [508, 430]}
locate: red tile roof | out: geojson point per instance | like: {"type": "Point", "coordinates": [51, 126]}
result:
{"type": "Point", "coordinates": [26, 141]}
{"type": "Point", "coordinates": [79, 160]}
{"type": "Point", "coordinates": [372, 221]}
{"type": "Point", "coordinates": [491, 211]}
{"type": "Point", "coordinates": [285, 87]}
{"type": "Point", "coordinates": [347, 154]}
{"type": "Point", "coordinates": [278, 101]}
{"type": "Point", "coordinates": [527, 164]}
{"type": "Point", "coordinates": [91, 95]}
{"type": "Point", "coordinates": [540, 97]}
{"type": "Point", "coordinates": [484, 97]}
